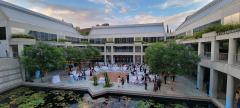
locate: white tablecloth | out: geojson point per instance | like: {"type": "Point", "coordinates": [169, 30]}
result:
{"type": "Point", "coordinates": [101, 80]}
{"type": "Point", "coordinates": [56, 79]}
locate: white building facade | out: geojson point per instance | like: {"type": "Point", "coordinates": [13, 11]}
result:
{"type": "Point", "coordinates": [18, 20]}
{"type": "Point", "coordinates": [125, 43]}
{"type": "Point", "coordinates": [218, 73]}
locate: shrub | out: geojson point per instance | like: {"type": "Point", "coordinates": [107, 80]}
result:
{"type": "Point", "coordinates": [179, 106]}
{"type": "Point", "coordinates": [62, 40]}
{"type": "Point", "coordinates": [95, 80]}
{"type": "Point", "coordinates": [26, 36]}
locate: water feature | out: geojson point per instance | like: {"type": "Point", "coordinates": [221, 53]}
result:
{"type": "Point", "coordinates": [34, 97]}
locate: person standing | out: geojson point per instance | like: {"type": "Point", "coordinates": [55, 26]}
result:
{"type": "Point", "coordinates": [165, 78]}
{"type": "Point", "coordinates": [119, 81]}
{"type": "Point", "coordinates": [145, 83]}
{"type": "Point", "coordinates": [128, 78]}
{"type": "Point", "coordinates": [159, 84]}
{"type": "Point", "coordinates": [122, 81]}
{"type": "Point", "coordinates": [155, 86]}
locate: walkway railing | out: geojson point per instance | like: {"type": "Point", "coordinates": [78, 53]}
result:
{"type": "Point", "coordinates": [206, 55]}
{"type": "Point", "coordinates": [223, 56]}
{"type": "Point", "coordinates": [237, 59]}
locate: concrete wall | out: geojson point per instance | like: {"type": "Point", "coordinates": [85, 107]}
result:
{"type": "Point", "coordinates": [223, 11]}
{"type": "Point", "coordinates": [10, 75]}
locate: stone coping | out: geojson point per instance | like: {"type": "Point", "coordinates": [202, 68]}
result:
{"type": "Point", "coordinates": [124, 92]}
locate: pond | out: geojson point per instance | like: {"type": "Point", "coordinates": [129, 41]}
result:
{"type": "Point", "coordinates": [32, 97]}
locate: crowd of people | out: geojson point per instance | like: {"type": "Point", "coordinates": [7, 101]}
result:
{"type": "Point", "coordinates": [138, 74]}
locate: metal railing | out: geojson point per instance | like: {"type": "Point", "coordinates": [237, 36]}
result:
{"type": "Point", "coordinates": [223, 56]}
{"type": "Point", "coordinates": [237, 59]}
{"type": "Point", "coordinates": [206, 55]}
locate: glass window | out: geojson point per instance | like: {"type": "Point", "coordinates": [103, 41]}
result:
{"type": "Point", "coordinates": [2, 33]}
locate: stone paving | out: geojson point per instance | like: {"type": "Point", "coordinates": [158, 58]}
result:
{"type": "Point", "coordinates": [184, 88]}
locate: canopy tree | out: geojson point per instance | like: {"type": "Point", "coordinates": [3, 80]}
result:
{"type": "Point", "coordinates": [43, 57]}
{"type": "Point", "coordinates": [171, 58]}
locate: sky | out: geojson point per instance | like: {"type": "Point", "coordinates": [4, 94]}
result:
{"type": "Point", "coordinates": [88, 13]}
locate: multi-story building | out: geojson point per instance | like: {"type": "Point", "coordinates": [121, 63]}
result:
{"type": "Point", "coordinates": [18, 20]}
{"type": "Point", "coordinates": [218, 73]}
{"type": "Point", "coordinates": [125, 43]}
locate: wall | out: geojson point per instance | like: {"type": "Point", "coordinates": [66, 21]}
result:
{"type": "Point", "coordinates": [10, 75]}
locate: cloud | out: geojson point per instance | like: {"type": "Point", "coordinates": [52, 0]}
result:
{"type": "Point", "coordinates": [87, 18]}
{"type": "Point", "coordinates": [180, 3]}
{"type": "Point", "coordinates": [110, 5]}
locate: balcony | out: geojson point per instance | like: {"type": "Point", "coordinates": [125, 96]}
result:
{"type": "Point", "coordinates": [206, 55]}
{"type": "Point", "coordinates": [223, 57]}
{"type": "Point", "coordinates": [237, 59]}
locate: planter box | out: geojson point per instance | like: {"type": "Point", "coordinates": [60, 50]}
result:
{"type": "Point", "coordinates": [23, 41]}
{"type": "Point", "coordinates": [210, 34]}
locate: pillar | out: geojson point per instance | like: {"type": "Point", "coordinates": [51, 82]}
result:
{"type": "Point", "coordinates": [214, 50]}
{"type": "Point", "coordinates": [105, 55]}
{"type": "Point", "coordinates": [20, 49]}
{"type": "Point", "coordinates": [199, 78]}
{"type": "Point", "coordinates": [112, 61]}
{"type": "Point", "coordinates": [134, 61]}
{"type": "Point", "coordinates": [20, 52]}
{"type": "Point", "coordinates": [142, 54]}
{"type": "Point", "coordinates": [200, 49]}
{"type": "Point", "coordinates": [232, 51]}
{"type": "Point", "coordinates": [213, 83]}
{"type": "Point", "coordinates": [230, 92]}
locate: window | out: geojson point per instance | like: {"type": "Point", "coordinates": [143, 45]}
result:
{"type": "Point", "coordinates": [41, 36]}
{"type": "Point", "coordinates": [2, 33]}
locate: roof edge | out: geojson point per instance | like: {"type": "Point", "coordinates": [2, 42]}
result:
{"type": "Point", "coordinates": [30, 12]}
{"type": "Point", "coordinates": [128, 25]}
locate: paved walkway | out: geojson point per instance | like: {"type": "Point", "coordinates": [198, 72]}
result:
{"type": "Point", "coordinates": [184, 88]}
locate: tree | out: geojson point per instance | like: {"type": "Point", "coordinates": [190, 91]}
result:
{"type": "Point", "coordinates": [171, 58]}
{"type": "Point", "coordinates": [44, 57]}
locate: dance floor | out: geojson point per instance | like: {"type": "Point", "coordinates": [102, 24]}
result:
{"type": "Point", "coordinates": [114, 75]}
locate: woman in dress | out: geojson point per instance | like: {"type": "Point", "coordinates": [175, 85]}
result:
{"type": "Point", "coordinates": [119, 81]}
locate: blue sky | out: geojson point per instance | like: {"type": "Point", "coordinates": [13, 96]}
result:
{"type": "Point", "coordinates": [87, 13]}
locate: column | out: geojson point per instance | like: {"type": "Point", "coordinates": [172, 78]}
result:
{"type": "Point", "coordinates": [20, 49]}
{"type": "Point", "coordinates": [112, 61]}
{"type": "Point", "coordinates": [200, 48]}
{"type": "Point", "coordinates": [232, 51]}
{"type": "Point", "coordinates": [20, 52]}
{"type": "Point", "coordinates": [213, 83]}
{"type": "Point", "coordinates": [105, 54]}
{"type": "Point", "coordinates": [134, 61]}
{"type": "Point", "coordinates": [141, 54]}
{"type": "Point", "coordinates": [214, 50]}
{"type": "Point", "coordinates": [199, 78]}
{"type": "Point", "coordinates": [230, 92]}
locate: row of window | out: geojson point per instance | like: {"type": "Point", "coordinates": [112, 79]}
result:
{"type": "Point", "coordinates": [124, 40]}
{"type": "Point", "coordinates": [73, 39]}
{"type": "Point", "coordinates": [203, 27]}
{"type": "Point", "coordinates": [42, 36]}
{"type": "Point", "coordinates": [153, 39]}
{"type": "Point", "coordinates": [98, 41]}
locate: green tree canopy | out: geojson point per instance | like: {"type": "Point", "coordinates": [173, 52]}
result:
{"type": "Point", "coordinates": [171, 57]}
{"type": "Point", "coordinates": [43, 56]}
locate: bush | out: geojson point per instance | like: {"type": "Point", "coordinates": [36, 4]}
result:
{"type": "Point", "coordinates": [62, 40]}
{"type": "Point", "coordinates": [179, 106]}
{"type": "Point", "coordinates": [26, 36]}
{"type": "Point", "coordinates": [107, 80]}
{"type": "Point", "coordinates": [95, 80]}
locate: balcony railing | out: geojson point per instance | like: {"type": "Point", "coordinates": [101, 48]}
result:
{"type": "Point", "coordinates": [237, 59]}
{"type": "Point", "coordinates": [206, 55]}
{"type": "Point", "coordinates": [223, 56]}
